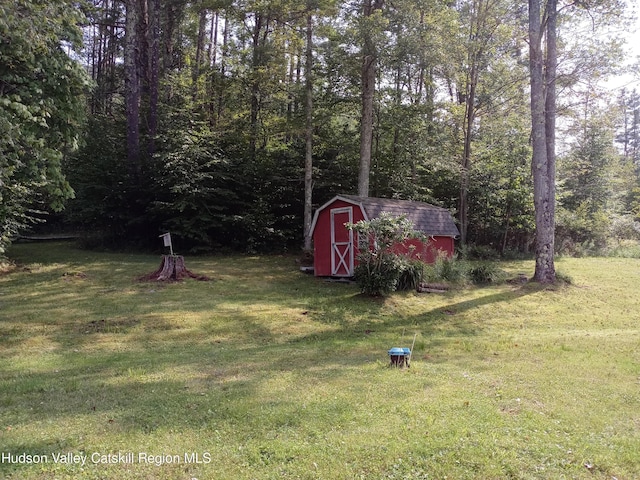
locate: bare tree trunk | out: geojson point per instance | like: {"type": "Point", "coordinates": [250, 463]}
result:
{"type": "Point", "coordinates": [398, 102]}
{"type": "Point", "coordinates": [545, 267]}
{"type": "Point", "coordinates": [110, 62]}
{"type": "Point", "coordinates": [368, 79]}
{"type": "Point", "coordinates": [95, 59]}
{"type": "Point", "coordinates": [308, 158]}
{"type": "Point", "coordinates": [223, 66]}
{"type": "Point", "coordinates": [154, 66]}
{"type": "Point", "coordinates": [171, 23]}
{"type": "Point", "coordinates": [256, 63]}
{"type": "Point", "coordinates": [132, 89]}
{"type": "Point", "coordinates": [543, 167]}
{"type": "Point", "coordinates": [213, 39]}
{"type": "Point", "coordinates": [463, 213]}
{"type": "Point", "coordinates": [505, 237]}
{"type": "Point", "coordinates": [212, 79]}
{"type": "Point", "coordinates": [200, 49]}
{"type": "Point", "coordinates": [366, 126]}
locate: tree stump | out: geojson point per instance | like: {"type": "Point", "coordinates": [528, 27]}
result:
{"type": "Point", "coordinates": [172, 268]}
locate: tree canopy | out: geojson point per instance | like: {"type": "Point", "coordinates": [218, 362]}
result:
{"type": "Point", "coordinates": [227, 121]}
{"type": "Point", "coordinates": [41, 108]}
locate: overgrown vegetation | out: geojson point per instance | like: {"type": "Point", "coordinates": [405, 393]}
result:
{"type": "Point", "coordinates": [276, 374]}
{"type": "Point", "coordinates": [390, 262]}
{"type": "Point", "coordinates": [384, 267]}
{"type": "Point", "coordinates": [486, 272]}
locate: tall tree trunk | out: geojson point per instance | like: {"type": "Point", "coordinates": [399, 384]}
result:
{"type": "Point", "coordinates": [368, 79]}
{"type": "Point", "coordinates": [308, 158]}
{"type": "Point", "coordinates": [212, 78]}
{"type": "Point", "coordinates": [545, 259]}
{"type": "Point", "coordinates": [477, 40]}
{"type": "Point", "coordinates": [213, 39]}
{"type": "Point", "coordinates": [543, 167]}
{"type": "Point", "coordinates": [154, 77]}
{"type": "Point", "coordinates": [470, 111]}
{"type": "Point", "coordinates": [95, 60]}
{"type": "Point", "coordinates": [366, 125]}
{"type": "Point", "coordinates": [110, 63]}
{"type": "Point", "coordinates": [256, 62]}
{"type": "Point", "coordinates": [173, 14]}
{"type": "Point", "coordinates": [293, 59]}
{"type": "Point", "coordinates": [200, 51]}
{"type": "Point", "coordinates": [132, 89]}
{"type": "Point", "coordinates": [395, 148]}
{"type": "Point", "coordinates": [223, 66]}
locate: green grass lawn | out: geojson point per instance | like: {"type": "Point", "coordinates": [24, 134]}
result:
{"type": "Point", "coordinates": [267, 373]}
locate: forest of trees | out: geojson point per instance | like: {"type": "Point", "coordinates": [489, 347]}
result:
{"type": "Point", "coordinates": [226, 122]}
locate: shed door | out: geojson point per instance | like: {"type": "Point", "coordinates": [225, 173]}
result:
{"type": "Point", "coordinates": [341, 242]}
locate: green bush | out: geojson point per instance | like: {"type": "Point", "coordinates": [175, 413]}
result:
{"type": "Point", "coordinates": [625, 227]}
{"type": "Point", "coordinates": [378, 274]}
{"type": "Point", "coordinates": [624, 249]}
{"type": "Point", "coordinates": [581, 232]}
{"type": "Point", "coordinates": [449, 269]}
{"type": "Point", "coordinates": [445, 269]}
{"type": "Point", "coordinates": [387, 273]}
{"type": "Point", "coordinates": [480, 252]}
{"type": "Point", "coordinates": [380, 269]}
{"type": "Point", "coordinates": [411, 275]}
{"type": "Point", "coordinates": [485, 272]}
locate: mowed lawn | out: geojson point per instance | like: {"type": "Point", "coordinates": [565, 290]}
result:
{"type": "Point", "coordinates": [267, 373]}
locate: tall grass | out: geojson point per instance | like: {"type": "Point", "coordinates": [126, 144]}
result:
{"type": "Point", "coordinates": [265, 372]}
{"type": "Point", "coordinates": [624, 249]}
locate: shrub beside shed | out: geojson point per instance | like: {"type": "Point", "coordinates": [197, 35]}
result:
{"type": "Point", "coordinates": [336, 248]}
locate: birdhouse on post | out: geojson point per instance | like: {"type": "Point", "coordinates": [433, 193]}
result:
{"type": "Point", "coordinates": [172, 267]}
{"type": "Point", "coordinates": [166, 238]}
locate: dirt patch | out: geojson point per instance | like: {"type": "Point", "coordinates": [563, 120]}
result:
{"type": "Point", "coordinates": [116, 325]}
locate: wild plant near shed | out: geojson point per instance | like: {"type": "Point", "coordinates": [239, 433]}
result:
{"type": "Point", "coordinates": [381, 268]}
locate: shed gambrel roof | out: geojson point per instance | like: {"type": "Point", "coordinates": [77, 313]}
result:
{"type": "Point", "coordinates": [426, 218]}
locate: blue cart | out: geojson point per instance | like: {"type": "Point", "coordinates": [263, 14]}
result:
{"type": "Point", "coordinates": [399, 356]}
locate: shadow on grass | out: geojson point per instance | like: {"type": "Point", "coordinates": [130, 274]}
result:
{"type": "Point", "coordinates": [123, 394]}
{"type": "Point", "coordinates": [340, 312]}
{"type": "Point", "coordinates": [129, 358]}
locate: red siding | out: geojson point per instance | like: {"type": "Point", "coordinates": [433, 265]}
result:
{"type": "Point", "coordinates": [322, 236]}
{"type": "Point", "coordinates": [322, 240]}
{"type": "Point", "coordinates": [428, 251]}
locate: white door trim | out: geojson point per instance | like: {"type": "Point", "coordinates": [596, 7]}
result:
{"type": "Point", "coordinates": [341, 252]}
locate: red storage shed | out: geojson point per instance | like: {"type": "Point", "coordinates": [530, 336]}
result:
{"type": "Point", "coordinates": [335, 247]}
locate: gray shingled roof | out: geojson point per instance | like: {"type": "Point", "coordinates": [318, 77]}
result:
{"type": "Point", "coordinates": [426, 218]}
